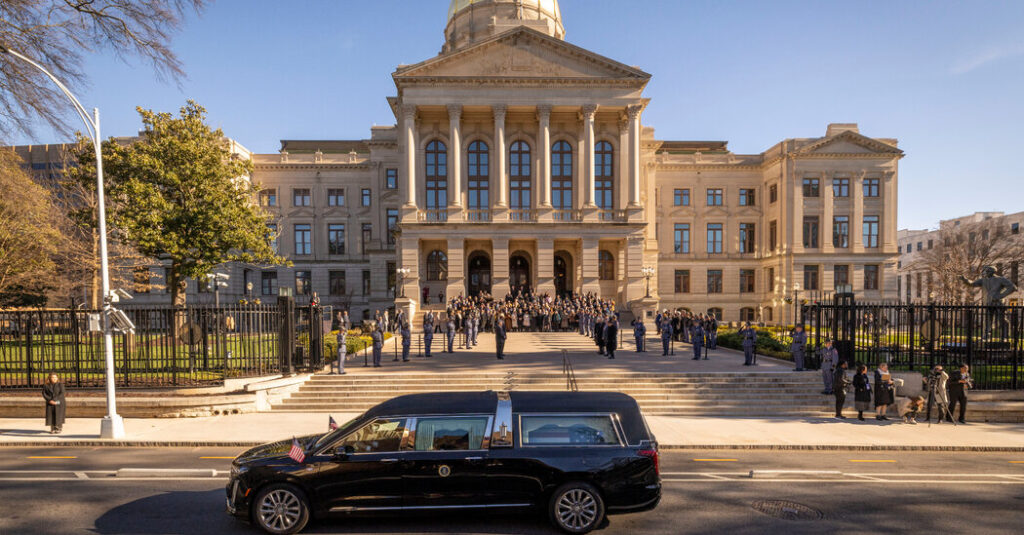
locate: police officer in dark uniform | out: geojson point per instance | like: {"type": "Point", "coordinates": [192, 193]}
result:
{"type": "Point", "coordinates": [666, 335]}
{"type": "Point", "coordinates": [500, 336]}
{"type": "Point", "coordinates": [639, 332]}
{"type": "Point", "coordinates": [797, 345]}
{"type": "Point", "coordinates": [428, 333]}
{"type": "Point", "coordinates": [697, 335]}
{"type": "Point", "coordinates": [406, 341]}
{"type": "Point", "coordinates": [378, 344]}
{"type": "Point", "coordinates": [749, 339]}
{"type": "Point", "coordinates": [611, 335]}
{"type": "Point", "coordinates": [599, 333]}
{"type": "Point", "coordinates": [450, 328]}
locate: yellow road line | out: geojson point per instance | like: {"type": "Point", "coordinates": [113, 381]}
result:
{"type": "Point", "coordinates": [872, 461]}
{"type": "Point", "coordinates": [1016, 462]}
{"type": "Point", "coordinates": [715, 460]}
{"type": "Point", "coordinates": [51, 457]}
{"type": "Point", "coordinates": [216, 457]}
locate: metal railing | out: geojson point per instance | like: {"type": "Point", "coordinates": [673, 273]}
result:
{"type": "Point", "coordinates": [570, 373]}
{"type": "Point", "coordinates": [567, 215]}
{"type": "Point", "coordinates": [440, 215]}
{"type": "Point", "coordinates": [611, 215]}
{"type": "Point", "coordinates": [522, 214]}
{"type": "Point", "coordinates": [477, 215]}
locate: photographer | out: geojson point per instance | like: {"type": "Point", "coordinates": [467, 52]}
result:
{"type": "Point", "coordinates": [959, 383]}
{"type": "Point", "coordinates": [935, 384]}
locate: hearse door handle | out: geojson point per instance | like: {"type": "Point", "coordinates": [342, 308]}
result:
{"type": "Point", "coordinates": [389, 460]}
{"type": "Point", "coordinates": [474, 458]}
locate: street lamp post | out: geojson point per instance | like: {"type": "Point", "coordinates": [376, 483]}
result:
{"type": "Point", "coordinates": [796, 300]}
{"type": "Point", "coordinates": [112, 426]}
{"type": "Point", "coordinates": [401, 273]}
{"type": "Point", "coordinates": [648, 272]}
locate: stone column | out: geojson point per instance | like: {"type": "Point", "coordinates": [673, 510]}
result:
{"type": "Point", "coordinates": [499, 268]}
{"type": "Point", "coordinates": [798, 212]}
{"type": "Point", "coordinates": [500, 152]}
{"type": "Point", "coordinates": [456, 271]}
{"type": "Point", "coordinates": [409, 257]}
{"type": "Point", "coordinates": [857, 217]}
{"type": "Point", "coordinates": [588, 259]}
{"type": "Point", "coordinates": [409, 164]}
{"type": "Point", "coordinates": [827, 204]}
{"type": "Point", "coordinates": [455, 161]}
{"type": "Point", "coordinates": [888, 224]}
{"type": "Point", "coordinates": [589, 158]}
{"type": "Point", "coordinates": [636, 285]}
{"type": "Point", "coordinates": [634, 156]}
{"type": "Point", "coordinates": [546, 266]}
{"type": "Point", "coordinates": [544, 173]}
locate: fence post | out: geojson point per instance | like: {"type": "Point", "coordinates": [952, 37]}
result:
{"type": "Point", "coordinates": [75, 350]}
{"type": "Point", "coordinates": [969, 312]}
{"type": "Point", "coordinates": [286, 334]}
{"type": "Point", "coordinates": [28, 347]}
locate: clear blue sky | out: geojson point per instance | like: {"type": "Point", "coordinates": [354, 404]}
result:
{"type": "Point", "coordinates": [945, 78]}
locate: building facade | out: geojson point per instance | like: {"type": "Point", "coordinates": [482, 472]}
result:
{"type": "Point", "coordinates": [518, 160]}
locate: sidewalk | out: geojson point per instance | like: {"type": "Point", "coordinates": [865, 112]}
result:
{"type": "Point", "coordinates": [245, 430]}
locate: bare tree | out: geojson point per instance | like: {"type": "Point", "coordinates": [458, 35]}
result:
{"type": "Point", "coordinates": [28, 233]}
{"type": "Point", "coordinates": [964, 250]}
{"type": "Point", "coordinates": [59, 33]}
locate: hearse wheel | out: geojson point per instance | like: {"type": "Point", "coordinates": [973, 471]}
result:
{"type": "Point", "coordinates": [280, 509]}
{"type": "Point", "coordinates": [576, 508]}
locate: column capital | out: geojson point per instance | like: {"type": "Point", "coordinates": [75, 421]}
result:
{"type": "Point", "coordinates": [634, 111]}
{"type": "Point", "coordinates": [544, 113]}
{"type": "Point", "coordinates": [499, 111]}
{"type": "Point", "coordinates": [455, 112]}
{"type": "Point", "coordinates": [587, 111]}
{"type": "Point", "coordinates": [409, 111]}
{"type": "Point", "coordinates": [624, 124]}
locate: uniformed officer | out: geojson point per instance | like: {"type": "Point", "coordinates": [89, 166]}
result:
{"type": "Point", "coordinates": [406, 341]}
{"type": "Point", "coordinates": [476, 326]}
{"type": "Point", "coordinates": [378, 344]}
{"type": "Point", "coordinates": [666, 335]}
{"type": "Point", "coordinates": [500, 336]}
{"type": "Point", "coordinates": [428, 333]}
{"type": "Point", "coordinates": [749, 338]}
{"type": "Point", "coordinates": [712, 332]}
{"type": "Point", "coordinates": [657, 323]}
{"type": "Point", "coordinates": [829, 363]}
{"type": "Point", "coordinates": [639, 332]}
{"type": "Point", "coordinates": [450, 327]}
{"type": "Point", "coordinates": [697, 335]}
{"type": "Point", "coordinates": [797, 345]}
{"type": "Point", "coordinates": [342, 349]}
{"type": "Point", "coordinates": [611, 335]}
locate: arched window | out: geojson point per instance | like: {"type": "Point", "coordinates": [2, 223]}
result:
{"type": "Point", "coordinates": [437, 266]}
{"type": "Point", "coordinates": [478, 164]}
{"type": "Point", "coordinates": [437, 175]}
{"type": "Point", "coordinates": [604, 174]}
{"type": "Point", "coordinates": [715, 313]}
{"type": "Point", "coordinates": [519, 175]}
{"type": "Point", "coordinates": [747, 314]}
{"type": "Point", "coordinates": [605, 265]}
{"type": "Point", "coordinates": [561, 176]}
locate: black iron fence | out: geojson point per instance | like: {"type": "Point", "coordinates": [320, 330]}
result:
{"type": "Point", "coordinates": [920, 336]}
{"type": "Point", "coordinates": [194, 346]}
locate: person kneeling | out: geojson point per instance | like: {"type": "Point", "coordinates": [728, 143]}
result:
{"type": "Point", "coordinates": [909, 407]}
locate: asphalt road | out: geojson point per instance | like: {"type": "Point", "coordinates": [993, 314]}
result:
{"type": "Point", "coordinates": [66, 490]}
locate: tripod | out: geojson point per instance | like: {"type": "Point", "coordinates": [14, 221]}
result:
{"type": "Point", "coordinates": [941, 404]}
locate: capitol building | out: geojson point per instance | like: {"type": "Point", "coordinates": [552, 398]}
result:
{"type": "Point", "coordinates": [518, 160]}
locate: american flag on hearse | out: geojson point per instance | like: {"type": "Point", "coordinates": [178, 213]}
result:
{"type": "Point", "coordinates": [331, 424]}
{"type": "Point", "coordinates": [296, 452]}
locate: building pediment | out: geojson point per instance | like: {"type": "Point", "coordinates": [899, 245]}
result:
{"type": "Point", "coordinates": [849, 142]}
{"type": "Point", "coordinates": [523, 54]}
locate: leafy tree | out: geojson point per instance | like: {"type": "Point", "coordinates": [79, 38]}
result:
{"type": "Point", "coordinates": [179, 195]}
{"type": "Point", "coordinates": [58, 33]}
{"type": "Point", "coordinates": [28, 233]}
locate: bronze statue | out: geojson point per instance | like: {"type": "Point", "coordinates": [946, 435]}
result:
{"type": "Point", "coordinates": [996, 288]}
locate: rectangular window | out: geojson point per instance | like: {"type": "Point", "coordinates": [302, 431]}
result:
{"type": "Point", "coordinates": [746, 281]}
{"type": "Point", "coordinates": [811, 232]}
{"type": "Point", "coordinates": [302, 197]}
{"type": "Point", "coordinates": [682, 281]}
{"type": "Point", "coordinates": [930, 244]}
{"type": "Point", "coordinates": [773, 193]}
{"type": "Point", "coordinates": [391, 178]}
{"type": "Point", "coordinates": [141, 281]}
{"type": "Point", "coordinates": [392, 225]}
{"type": "Point", "coordinates": [367, 236]}
{"type": "Point", "coordinates": [840, 276]}
{"type": "Point", "coordinates": [303, 283]}
{"type": "Point", "coordinates": [714, 238]}
{"type": "Point", "coordinates": [681, 197]}
{"type": "Point", "coordinates": [917, 291]}
{"type": "Point", "coordinates": [167, 280]}
{"type": "Point", "coordinates": [366, 197]}
{"type": "Point", "coordinates": [811, 278]}
{"type": "Point", "coordinates": [268, 197]}
{"type": "Point", "coordinates": [576, 430]}
{"type": "Point", "coordinates": [366, 282]}
{"type": "Point", "coordinates": [336, 238]}
{"type": "Point", "coordinates": [714, 196]}
{"type": "Point", "coordinates": [682, 238]}
{"type": "Point", "coordinates": [1015, 272]}
{"type": "Point", "coordinates": [1015, 228]}
{"type": "Point", "coordinates": [841, 231]}
{"type": "Point", "coordinates": [450, 433]}
{"type": "Point", "coordinates": [841, 187]}
{"type": "Point", "coordinates": [773, 235]}
{"type": "Point", "coordinates": [747, 237]}
{"type": "Point", "coordinates": [870, 231]}
{"type": "Point", "coordinates": [268, 282]}
{"type": "Point", "coordinates": [811, 187]}
{"type": "Point", "coordinates": [335, 197]}
{"type": "Point", "coordinates": [769, 276]}
{"type": "Point", "coordinates": [379, 436]}
{"type": "Point", "coordinates": [920, 245]}
{"type": "Point", "coordinates": [747, 197]}
{"type": "Point", "coordinates": [303, 240]}
{"type": "Point", "coordinates": [714, 281]}
{"type": "Point", "coordinates": [871, 187]}
{"type": "Point", "coordinates": [336, 280]}
{"type": "Point", "coordinates": [392, 279]}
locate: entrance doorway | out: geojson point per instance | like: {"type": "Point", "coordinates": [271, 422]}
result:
{"type": "Point", "coordinates": [479, 274]}
{"type": "Point", "coordinates": [563, 274]}
{"type": "Point", "coordinates": [518, 273]}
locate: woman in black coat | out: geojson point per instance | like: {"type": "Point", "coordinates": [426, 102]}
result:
{"type": "Point", "coordinates": [884, 391]}
{"type": "Point", "coordinates": [861, 391]}
{"type": "Point", "coordinates": [53, 393]}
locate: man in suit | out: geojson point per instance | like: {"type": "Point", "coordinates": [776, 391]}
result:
{"type": "Point", "coordinates": [406, 341]}
{"type": "Point", "coordinates": [378, 343]}
{"type": "Point", "coordinates": [639, 332]}
{"type": "Point", "coordinates": [500, 336]}
{"type": "Point", "coordinates": [840, 383]}
{"type": "Point", "coordinates": [599, 334]}
{"type": "Point", "coordinates": [611, 336]}
{"type": "Point", "coordinates": [450, 332]}
{"type": "Point", "coordinates": [796, 346]}
{"type": "Point", "coordinates": [959, 382]}
{"type": "Point", "coordinates": [428, 333]}
{"type": "Point", "coordinates": [342, 340]}
{"type": "Point", "coordinates": [829, 364]}
{"type": "Point", "coordinates": [749, 339]}
{"type": "Point", "coordinates": [697, 336]}
{"type": "Point", "coordinates": [666, 335]}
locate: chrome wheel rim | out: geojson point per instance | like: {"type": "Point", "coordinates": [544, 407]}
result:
{"type": "Point", "coordinates": [576, 509]}
{"type": "Point", "coordinates": [280, 510]}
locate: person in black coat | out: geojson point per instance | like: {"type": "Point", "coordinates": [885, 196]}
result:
{"type": "Point", "coordinates": [500, 336]}
{"type": "Point", "coordinates": [599, 334]}
{"type": "Point", "coordinates": [885, 392]}
{"type": "Point", "coordinates": [861, 391]}
{"type": "Point", "coordinates": [611, 336]}
{"type": "Point", "coordinates": [840, 382]}
{"type": "Point", "coordinates": [53, 393]}
{"type": "Point", "coordinates": [959, 383]}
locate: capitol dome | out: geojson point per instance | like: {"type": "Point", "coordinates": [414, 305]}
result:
{"type": "Point", "coordinates": [470, 21]}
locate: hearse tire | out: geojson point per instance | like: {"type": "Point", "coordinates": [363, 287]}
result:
{"type": "Point", "coordinates": [576, 507]}
{"type": "Point", "coordinates": [280, 509]}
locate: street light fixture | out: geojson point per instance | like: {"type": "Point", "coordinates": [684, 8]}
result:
{"type": "Point", "coordinates": [648, 272]}
{"type": "Point", "coordinates": [112, 426]}
{"type": "Point", "coordinates": [796, 299]}
{"type": "Point", "coordinates": [402, 273]}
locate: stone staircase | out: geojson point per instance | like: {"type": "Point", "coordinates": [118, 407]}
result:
{"type": "Point", "coordinates": [690, 394]}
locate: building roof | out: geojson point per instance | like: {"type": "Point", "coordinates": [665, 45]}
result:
{"type": "Point", "coordinates": [326, 146]}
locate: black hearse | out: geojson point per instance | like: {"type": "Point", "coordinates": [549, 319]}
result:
{"type": "Point", "coordinates": [576, 455]}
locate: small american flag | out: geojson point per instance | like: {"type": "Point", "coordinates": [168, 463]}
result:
{"type": "Point", "coordinates": [296, 452]}
{"type": "Point", "coordinates": [331, 424]}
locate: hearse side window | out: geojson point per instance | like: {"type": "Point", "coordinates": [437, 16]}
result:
{"type": "Point", "coordinates": [579, 430]}
{"type": "Point", "coordinates": [377, 436]}
{"type": "Point", "coordinates": [453, 433]}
